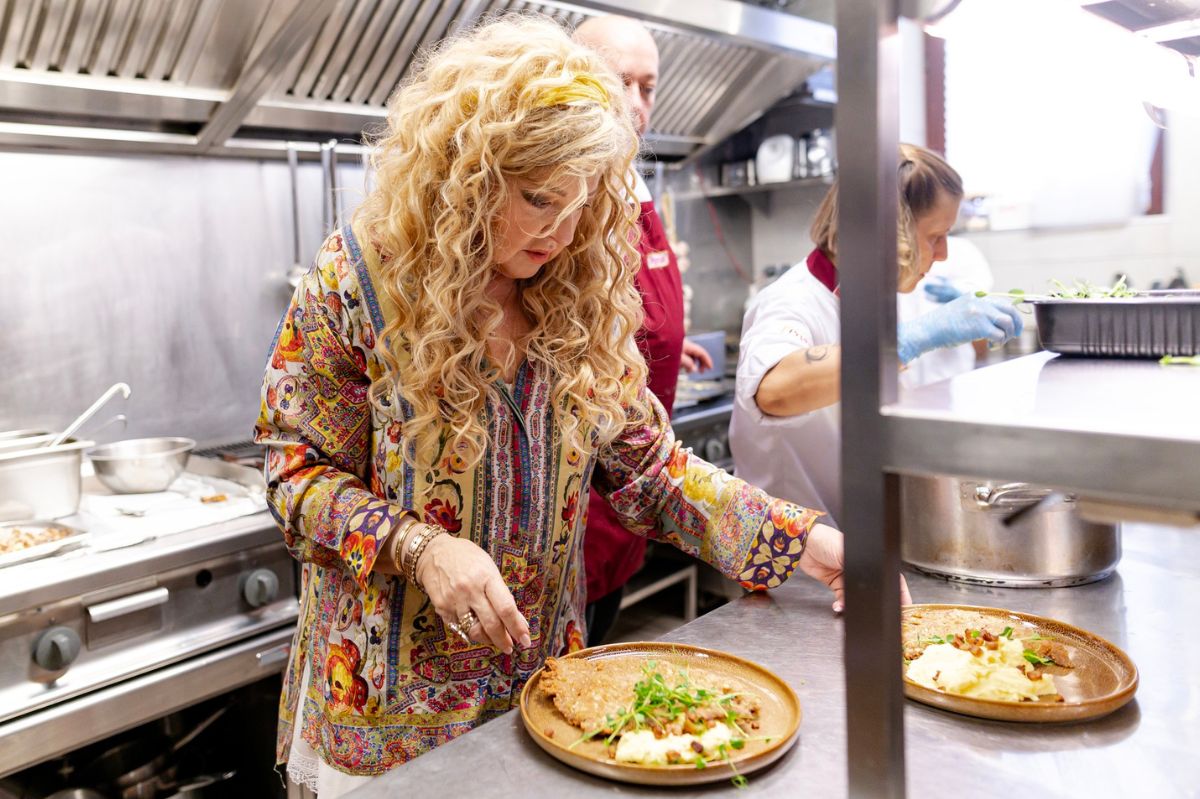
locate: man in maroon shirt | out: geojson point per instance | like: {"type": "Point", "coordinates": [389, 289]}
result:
{"type": "Point", "coordinates": [611, 553]}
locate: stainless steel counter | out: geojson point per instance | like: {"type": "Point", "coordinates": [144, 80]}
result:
{"type": "Point", "coordinates": [1119, 429]}
{"type": "Point", "coordinates": [1148, 608]}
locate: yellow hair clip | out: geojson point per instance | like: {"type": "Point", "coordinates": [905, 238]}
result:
{"type": "Point", "coordinates": [583, 88]}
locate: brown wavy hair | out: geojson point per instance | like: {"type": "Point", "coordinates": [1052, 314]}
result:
{"type": "Point", "coordinates": [478, 113]}
{"type": "Point", "coordinates": [922, 178]}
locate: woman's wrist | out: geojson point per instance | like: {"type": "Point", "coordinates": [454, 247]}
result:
{"type": "Point", "coordinates": [421, 539]}
{"type": "Point", "coordinates": [389, 556]}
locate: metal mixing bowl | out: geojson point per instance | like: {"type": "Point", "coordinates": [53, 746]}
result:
{"type": "Point", "coordinates": [141, 465]}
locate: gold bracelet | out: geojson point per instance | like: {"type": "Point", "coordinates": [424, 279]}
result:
{"type": "Point", "coordinates": [395, 543]}
{"type": "Point", "coordinates": [431, 533]}
{"type": "Point", "coordinates": [420, 530]}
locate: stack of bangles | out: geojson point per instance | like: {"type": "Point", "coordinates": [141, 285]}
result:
{"type": "Point", "coordinates": [410, 543]}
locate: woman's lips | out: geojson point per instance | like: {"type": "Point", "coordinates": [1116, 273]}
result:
{"type": "Point", "coordinates": [538, 256]}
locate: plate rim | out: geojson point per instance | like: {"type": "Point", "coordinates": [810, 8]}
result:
{"type": "Point", "coordinates": [642, 774]}
{"type": "Point", "coordinates": [1036, 711]}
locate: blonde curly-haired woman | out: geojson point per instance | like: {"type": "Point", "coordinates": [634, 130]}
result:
{"type": "Point", "coordinates": [453, 373]}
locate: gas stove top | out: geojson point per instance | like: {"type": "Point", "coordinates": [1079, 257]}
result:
{"type": "Point", "coordinates": [243, 453]}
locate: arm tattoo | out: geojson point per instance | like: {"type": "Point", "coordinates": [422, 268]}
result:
{"type": "Point", "coordinates": [818, 353]}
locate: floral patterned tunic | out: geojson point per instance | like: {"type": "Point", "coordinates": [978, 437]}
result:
{"type": "Point", "coordinates": [388, 681]}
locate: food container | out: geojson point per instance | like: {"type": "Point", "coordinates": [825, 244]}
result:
{"type": "Point", "coordinates": [40, 482]}
{"type": "Point", "coordinates": [775, 159]}
{"type": "Point", "coordinates": [141, 465]}
{"type": "Point", "coordinates": [957, 529]}
{"type": "Point", "coordinates": [821, 155]}
{"type": "Point", "coordinates": [26, 541]}
{"type": "Point", "coordinates": [1150, 324]}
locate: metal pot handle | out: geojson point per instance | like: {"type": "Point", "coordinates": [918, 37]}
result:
{"type": "Point", "coordinates": [1011, 494]}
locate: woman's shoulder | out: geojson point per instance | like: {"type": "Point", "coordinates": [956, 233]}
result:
{"type": "Point", "coordinates": [795, 293]}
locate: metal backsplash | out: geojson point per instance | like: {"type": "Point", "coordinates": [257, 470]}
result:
{"type": "Point", "coordinates": [167, 273]}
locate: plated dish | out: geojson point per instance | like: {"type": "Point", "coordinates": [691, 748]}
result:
{"type": "Point", "coordinates": [1001, 664]}
{"type": "Point", "coordinates": [660, 713]}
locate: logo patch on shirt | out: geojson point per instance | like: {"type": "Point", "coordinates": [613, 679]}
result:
{"type": "Point", "coordinates": [658, 259]}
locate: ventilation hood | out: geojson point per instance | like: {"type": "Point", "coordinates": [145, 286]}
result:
{"type": "Point", "coordinates": [243, 77]}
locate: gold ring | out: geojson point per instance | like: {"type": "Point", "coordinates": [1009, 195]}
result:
{"type": "Point", "coordinates": [463, 626]}
{"type": "Point", "coordinates": [467, 621]}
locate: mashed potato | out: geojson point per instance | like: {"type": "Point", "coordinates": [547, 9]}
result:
{"type": "Point", "coordinates": [640, 746]}
{"type": "Point", "coordinates": [992, 674]}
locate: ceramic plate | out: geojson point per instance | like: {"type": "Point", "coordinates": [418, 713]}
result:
{"type": "Point", "coordinates": [1102, 679]}
{"type": "Point", "coordinates": [779, 719]}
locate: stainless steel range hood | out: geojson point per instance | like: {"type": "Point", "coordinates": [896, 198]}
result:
{"type": "Point", "coordinates": [241, 77]}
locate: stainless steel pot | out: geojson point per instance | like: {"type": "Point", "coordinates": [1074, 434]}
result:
{"type": "Point", "coordinates": [983, 533]}
{"type": "Point", "coordinates": [40, 482]}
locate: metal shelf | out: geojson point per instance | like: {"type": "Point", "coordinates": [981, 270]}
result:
{"type": "Point", "coordinates": [738, 191]}
{"type": "Point", "coordinates": [1127, 430]}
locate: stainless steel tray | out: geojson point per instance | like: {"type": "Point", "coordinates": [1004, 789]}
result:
{"type": "Point", "coordinates": [73, 539]}
{"type": "Point", "coordinates": [1149, 325]}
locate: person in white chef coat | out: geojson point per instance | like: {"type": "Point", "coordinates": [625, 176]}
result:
{"type": "Point", "coordinates": [784, 433]}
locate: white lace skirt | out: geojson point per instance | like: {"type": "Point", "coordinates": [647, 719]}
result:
{"type": "Point", "coordinates": [305, 767]}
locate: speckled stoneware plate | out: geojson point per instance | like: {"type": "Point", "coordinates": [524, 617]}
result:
{"type": "Point", "coordinates": [1102, 679]}
{"type": "Point", "coordinates": [779, 718]}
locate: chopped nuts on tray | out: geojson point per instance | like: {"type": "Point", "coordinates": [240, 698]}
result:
{"type": "Point", "coordinates": [14, 539]}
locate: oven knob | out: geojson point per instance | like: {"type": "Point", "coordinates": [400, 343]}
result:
{"type": "Point", "coordinates": [715, 450]}
{"type": "Point", "coordinates": [261, 587]}
{"type": "Point", "coordinates": [56, 648]}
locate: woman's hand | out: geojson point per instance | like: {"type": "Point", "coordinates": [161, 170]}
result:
{"type": "Point", "coordinates": [824, 559]}
{"type": "Point", "coordinates": [968, 318]}
{"type": "Point", "coordinates": [694, 358]}
{"type": "Point", "coordinates": [459, 577]}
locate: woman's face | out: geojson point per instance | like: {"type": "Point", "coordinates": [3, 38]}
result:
{"type": "Point", "coordinates": [932, 229]}
{"type": "Point", "coordinates": [530, 231]}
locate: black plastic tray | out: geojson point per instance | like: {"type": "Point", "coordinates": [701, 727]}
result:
{"type": "Point", "coordinates": [1149, 325]}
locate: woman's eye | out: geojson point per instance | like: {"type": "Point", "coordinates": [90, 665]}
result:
{"type": "Point", "coordinates": [536, 200]}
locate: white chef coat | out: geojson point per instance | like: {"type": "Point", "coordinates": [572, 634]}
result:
{"type": "Point", "coordinates": [798, 458]}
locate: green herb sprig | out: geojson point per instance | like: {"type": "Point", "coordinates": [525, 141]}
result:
{"type": "Point", "coordinates": [658, 703]}
{"type": "Point", "coordinates": [1081, 290]}
{"type": "Point", "coordinates": [1037, 660]}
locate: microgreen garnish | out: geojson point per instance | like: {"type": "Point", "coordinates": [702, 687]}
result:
{"type": "Point", "coordinates": [1082, 290]}
{"type": "Point", "coordinates": [1036, 660]}
{"type": "Point", "coordinates": [657, 703]}
{"type": "Point", "coordinates": [1008, 631]}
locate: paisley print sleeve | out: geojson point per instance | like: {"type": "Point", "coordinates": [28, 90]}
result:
{"type": "Point", "coordinates": [315, 419]}
{"type": "Point", "coordinates": [660, 489]}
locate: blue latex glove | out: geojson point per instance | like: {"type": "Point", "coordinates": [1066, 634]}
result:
{"type": "Point", "coordinates": [957, 322]}
{"type": "Point", "coordinates": [939, 289]}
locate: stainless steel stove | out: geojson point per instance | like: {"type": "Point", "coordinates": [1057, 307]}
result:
{"type": "Point", "coordinates": [704, 426]}
{"type": "Point", "coordinates": [93, 645]}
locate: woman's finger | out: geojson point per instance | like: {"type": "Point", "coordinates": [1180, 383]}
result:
{"type": "Point", "coordinates": [839, 592]}
{"type": "Point", "coordinates": [489, 629]}
{"type": "Point", "coordinates": [506, 609]}
{"type": "Point", "coordinates": [905, 596]}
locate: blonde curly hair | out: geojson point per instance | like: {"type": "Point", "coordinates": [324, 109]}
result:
{"type": "Point", "coordinates": [923, 177]}
{"type": "Point", "coordinates": [504, 102]}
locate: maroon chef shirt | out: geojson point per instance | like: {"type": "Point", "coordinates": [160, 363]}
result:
{"type": "Point", "coordinates": [611, 553]}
